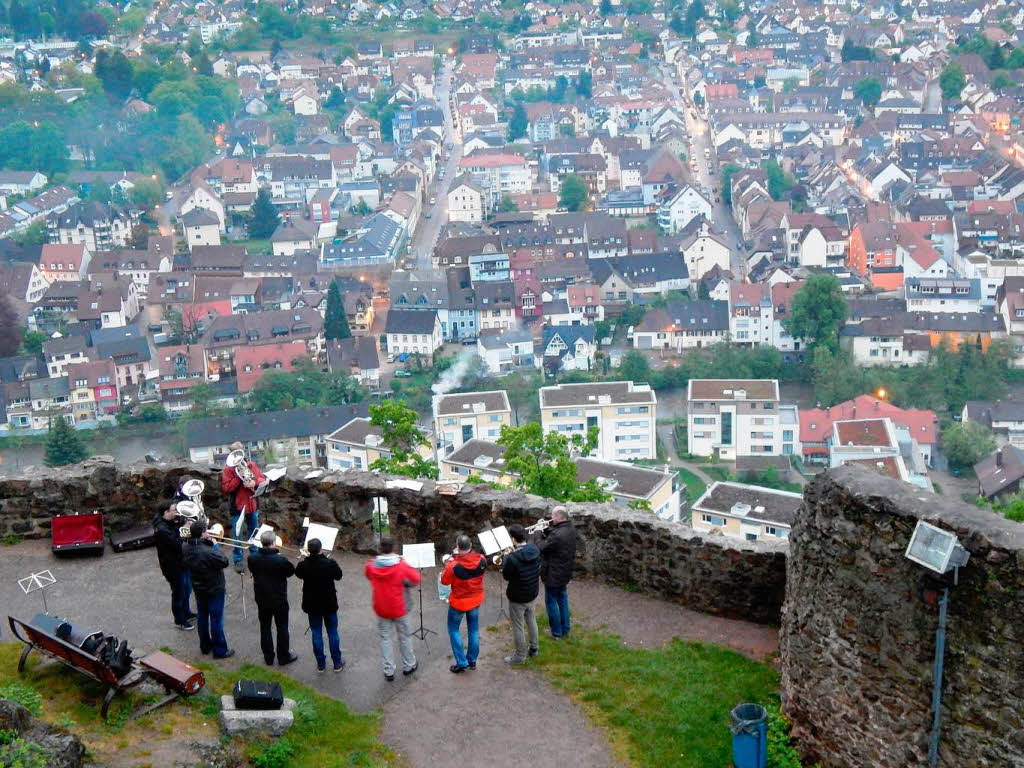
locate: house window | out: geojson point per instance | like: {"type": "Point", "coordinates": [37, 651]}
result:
{"type": "Point", "coordinates": [712, 520]}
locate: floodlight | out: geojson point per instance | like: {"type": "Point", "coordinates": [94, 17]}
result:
{"type": "Point", "coordinates": [936, 549]}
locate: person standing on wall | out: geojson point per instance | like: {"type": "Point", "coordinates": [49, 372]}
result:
{"type": "Point", "coordinates": [206, 563]}
{"type": "Point", "coordinates": [320, 603]}
{"type": "Point", "coordinates": [270, 571]}
{"type": "Point", "coordinates": [558, 553]}
{"type": "Point", "coordinates": [464, 573]}
{"type": "Point", "coordinates": [389, 576]}
{"type": "Point", "coordinates": [245, 518]}
{"type": "Point", "coordinates": [168, 552]}
{"type": "Point", "coordinates": [521, 569]}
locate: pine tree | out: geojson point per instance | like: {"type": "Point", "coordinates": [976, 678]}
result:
{"type": "Point", "coordinates": [263, 218]}
{"type": "Point", "coordinates": [335, 322]}
{"type": "Point", "coordinates": [63, 445]}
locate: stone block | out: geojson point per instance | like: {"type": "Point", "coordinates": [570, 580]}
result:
{"type": "Point", "coordinates": [273, 722]}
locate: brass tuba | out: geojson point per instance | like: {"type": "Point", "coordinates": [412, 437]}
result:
{"type": "Point", "coordinates": [236, 461]}
{"type": "Point", "coordinates": [188, 512]}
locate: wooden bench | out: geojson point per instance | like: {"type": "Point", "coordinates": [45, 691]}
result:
{"type": "Point", "coordinates": [35, 638]}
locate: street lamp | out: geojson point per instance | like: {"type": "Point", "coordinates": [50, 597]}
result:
{"type": "Point", "coordinates": [939, 551]}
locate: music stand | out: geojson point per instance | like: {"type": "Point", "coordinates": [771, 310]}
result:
{"type": "Point", "coordinates": [494, 541]}
{"type": "Point", "coordinates": [38, 582]}
{"type": "Point", "coordinates": [420, 557]}
{"type": "Point", "coordinates": [380, 511]}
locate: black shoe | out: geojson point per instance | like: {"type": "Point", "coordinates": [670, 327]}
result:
{"type": "Point", "coordinates": [269, 662]}
{"type": "Point", "coordinates": [291, 657]}
{"type": "Point", "coordinates": [532, 652]}
{"type": "Point", "coordinates": [228, 655]}
{"type": "Point", "coordinates": [472, 665]}
{"type": "Point", "coordinates": [455, 669]}
{"type": "Point", "coordinates": [389, 678]}
{"type": "Point", "coordinates": [206, 652]}
{"type": "Point", "coordinates": [408, 672]}
{"type": "Point", "coordinates": [239, 567]}
{"type": "Point", "coordinates": [187, 626]}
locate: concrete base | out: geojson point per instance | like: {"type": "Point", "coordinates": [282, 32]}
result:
{"type": "Point", "coordinates": [273, 722]}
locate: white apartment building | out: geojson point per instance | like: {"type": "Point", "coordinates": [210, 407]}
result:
{"type": "Point", "coordinates": [624, 412]}
{"type": "Point", "coordinates": [736, 417]}
{"type": "Point", "coordinates": [748, 512]}
{"type": "Point", "coordinates": [466, 201]}
{"type": "Point", "coordinates": [499, 174]}
{"type": "Point", "coordinates": [462, 417]}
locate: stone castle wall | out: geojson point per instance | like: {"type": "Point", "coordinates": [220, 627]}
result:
{"type": "Point", "coordinates": [708, 573]}
{"type": "Point", "coordinates": [858, 636]}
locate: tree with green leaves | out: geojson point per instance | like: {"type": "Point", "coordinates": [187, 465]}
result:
{"type": "Point", "coordinates": [727, 173]}
{"type": "Point", "coordinates": [545, 464]}
{"type": "Point", "coordinates": [572, 193]}
{"type": "Point", "coordinates": [115, 73]}
{"type": "Point", "coordinates": [507, 205]}
{"type": "Point", "coordinates": [10, 327]}
{"type": "Point", "coordinates": [965, 443]}
{"type": "Point", "coordinates": [779, 182]}
{"type": "Point", "coordinates": [694, 13]}
{"type": "Point", "coordinates": [63, 444]}
{"type": "Point", "coordinates": [835, 377]}
{"type": "Point", "coordinates": [634, 367]}
{"type": "Point", "coordinates": [817, 312]}
{"type": "Point", "coordinates": [606, 7]}
{"type": "Point", "coordinates": [401, 438]}
{"type": "Point", "coordinates": [335, 321]}
{"type": "Point", "coordinates": [952, 81]}
{"type": "Point", "coordinates": [585, 85]}
{"type": "Point", "coordinates": [263, 217]}
{"type": "Point", "coordinates": [854, 52]}
{"type": "Point", "coordinates": [1002, 81]}
{"type": "Point", "coordinates": [790, 84]}
{"type": "Point", "coordinates": [868, 90]}
{"type": "Point", "coordinates": [518, 123]}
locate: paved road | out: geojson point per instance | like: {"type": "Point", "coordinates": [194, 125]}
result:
{"type": "Point", "coordinates": [707, 174]}
{"type": "Point", "coordinates": [426, 235]}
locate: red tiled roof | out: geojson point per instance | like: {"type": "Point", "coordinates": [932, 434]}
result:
{"type": "Point", "coordinates": [266, 357]}
{"type": "Point", "coordinates": [816, 423]}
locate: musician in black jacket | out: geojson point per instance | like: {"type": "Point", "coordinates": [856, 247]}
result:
{"type": "Point", "coordinates": [320, 603]}
{"type": "Point", "coordinates": [558, 553]}
{"type": "Point", "coordinates": [521, 569]}
{"type": "Point", "coordinates": [270, 571]}
{"type": "Point", "coordinates": [206, 563]}
{"type": "Point", "coordinates": [168, 553]}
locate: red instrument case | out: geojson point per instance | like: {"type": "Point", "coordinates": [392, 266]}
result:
{"type": "Point", "coordinates": [77, 533]}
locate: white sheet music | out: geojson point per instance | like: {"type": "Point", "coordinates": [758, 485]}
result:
{"type": "Point", "coordinates": [502, 536]}
{"type": "Point", "coordinates": [276, 473]}
{"type": "Point", "coordinates": [325, 533]}
{"type": "Point", "coordinates": [489, 542]}
{"type": "Point", "coordinates": [255, 540]}
{"type": "Point", "coordinates": [419, 555]}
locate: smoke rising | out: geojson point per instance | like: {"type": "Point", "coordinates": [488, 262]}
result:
{"type": "Point", "coordinates": [454, 374]}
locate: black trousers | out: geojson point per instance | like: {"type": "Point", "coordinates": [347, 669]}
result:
{"type": "Point", "coordinates": [279, 615]}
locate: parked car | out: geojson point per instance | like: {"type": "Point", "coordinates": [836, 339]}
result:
{"type": "Point", "coordinates": [403, 357]}
{"type": "Point", "coordinates": [391, 357]}
{"type": "Point", "coordinates": [428, 214]}
{"type": "Point", "coordinates": [433, 201]}
{"type": "Point", "coordinates": [469, 342]}
{"type": "Point", "coordinates": [401, 373]}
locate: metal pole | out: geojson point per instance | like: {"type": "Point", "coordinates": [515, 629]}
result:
{"type": "Point", "coordinates": [940, 649]}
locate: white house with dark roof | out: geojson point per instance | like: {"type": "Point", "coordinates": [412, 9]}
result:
{"type": "Point", "coordinates": [413, 331]}
{"type": "Point", "coordinates": [748, 512]}
{"type": "Point", "coordinates": [461, 417]}
{"type": "Point", "coordinates": [202, 227]}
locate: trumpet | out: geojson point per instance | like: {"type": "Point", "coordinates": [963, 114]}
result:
{"type": "Point", "coordinates": [236, 461]}
{"type": "Point", "coordinates": [541, 525]}
{"type": "Point", "coordinates": [496, 559]}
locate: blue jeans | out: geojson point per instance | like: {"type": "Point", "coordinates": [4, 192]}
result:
{"type": "Point", "coordinates": [467, 657]}
{"type": "Point", "coordinates": [181, 590]}
{"type": "Point", "coordinates": [556, 603]}
{"type": "Point", "coordinates": [243, 529]}
{"type": "Point", "coordinates": [330, 623]}
{"type": "Point", "coordinates": [211, 624]}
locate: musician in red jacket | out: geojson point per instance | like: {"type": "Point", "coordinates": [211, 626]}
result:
{"type": "Point", "coordinates": [464, 573]}
{"type": "Point", "coordinates": [245, 517]}
{"type": "Point", "coordinates": [389, 576]}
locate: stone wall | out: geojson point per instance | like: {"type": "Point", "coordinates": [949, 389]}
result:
{"type": "Point", "coordinates": [858, 636]}
{"type": "Point", "coordinates": [708, 573]}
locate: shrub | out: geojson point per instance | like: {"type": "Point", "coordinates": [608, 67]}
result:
{"type": "Point", "coordinates": [277, 755]}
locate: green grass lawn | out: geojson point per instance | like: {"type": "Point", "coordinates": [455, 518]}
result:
{"type": "Point", "coordinates": [695, 487]}
{"type": "Point", "coordinates": [718, 473]}
{"type": "Point", "coordinates": [325, 733]}
{"type": "Point", "coordinates": [662, 708]}
{"type": "Point", "coordinates": [253, 246]}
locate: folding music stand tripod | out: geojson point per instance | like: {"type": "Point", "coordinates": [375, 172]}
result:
{"type": "Point", "coordinates": [420, 557]}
